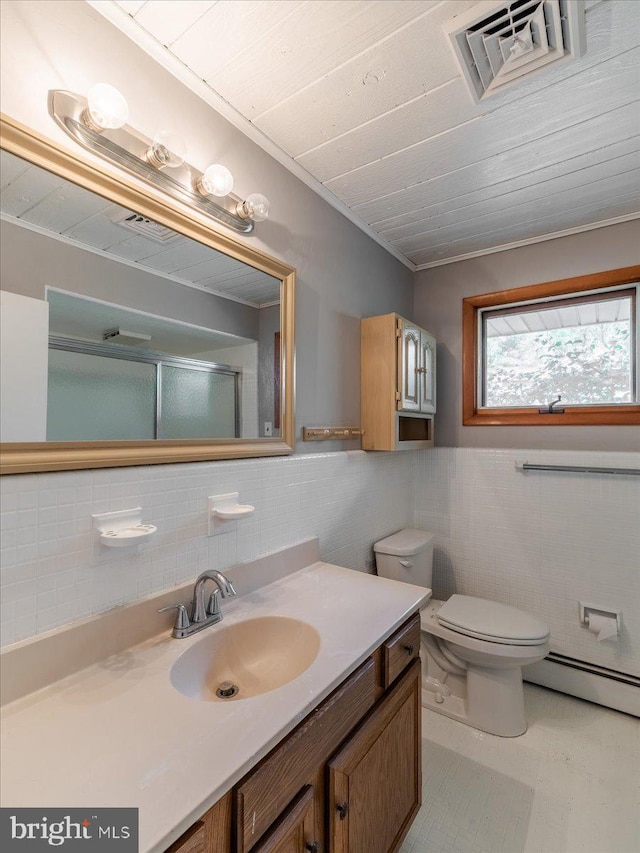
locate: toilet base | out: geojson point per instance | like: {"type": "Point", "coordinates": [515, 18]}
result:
{"type": "Point", "coordinates": [488, 698]}
{"type": "Point", "coordinates": [494, 702]}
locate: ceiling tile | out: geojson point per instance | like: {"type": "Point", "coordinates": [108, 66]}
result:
{"type": "Point", "coordinates": [469, 206]}
{"type": "Point", "coordinates": [167, 20]}
{"type": "Point", "coordinates": [365, 95]}
{"type": "Point", "coordinates": [229, 31]}
{"type": "Point", "coordinates": [490, 157]}
{"type": "Point", "coordinates": [602, 211]}
{"type": "Point", "coordinates": [311, 42]}
{"type": "Point", "coordinates": [406, 65]}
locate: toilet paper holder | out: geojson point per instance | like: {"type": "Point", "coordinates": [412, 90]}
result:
{"type": "Point", "coordinates": [588, 610]}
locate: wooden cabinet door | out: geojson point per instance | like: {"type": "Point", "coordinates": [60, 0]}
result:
{"type": "Point", "coordinates": [409, 362]}
{"type": "Point", "coordinates": [263, 796]}
{"type": "Point", "coordinates": [375, 780]}
{"type": "Point", "coordinates": [427, 372]}
{"type": "Point", "coordinates": [294, 831]}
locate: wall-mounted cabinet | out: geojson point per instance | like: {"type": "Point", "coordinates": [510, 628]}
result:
{"type": "Point", "coordinates": [398, 385]}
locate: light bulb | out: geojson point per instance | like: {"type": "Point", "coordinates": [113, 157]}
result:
{"type": "Point", "coordinates": [106, 108]}
{"type": "Point", "coordinates": [217, 180]}
{"type": "Point", "coordinates": [168, 150]}
{"type": "Point", "coordinates": [255, 206]}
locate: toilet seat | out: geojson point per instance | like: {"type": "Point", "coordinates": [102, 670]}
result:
{"type": "Point", "coordinates": [491, 621]}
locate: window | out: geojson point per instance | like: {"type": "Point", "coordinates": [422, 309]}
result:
{"type": "Point", "coordinates": [559, 353]}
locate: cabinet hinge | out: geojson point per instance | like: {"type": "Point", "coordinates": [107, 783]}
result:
{"type": "Point", "coordinates": [398, 396]}
{"type": "Point", "coordinates": [399, 330]}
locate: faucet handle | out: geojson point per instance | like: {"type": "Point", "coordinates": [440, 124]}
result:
{"type": "Point", "coordinates": [214, 607]}
{"type": "Point", "coordinates": [182, 617]}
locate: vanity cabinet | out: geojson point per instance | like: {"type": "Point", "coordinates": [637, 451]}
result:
{"type": "Point", "coordinates": [299, 761]}
{"type": "Point", "coordinates": [193, 841]}
{"type": "Point", "coordinates": [295, 830]}
{"type": "Point", "coordinates": [398, 384]}
{"type": "Point", "coordinates": [375, 779]}
{"type": "Point", "coordinates": [346, 780]}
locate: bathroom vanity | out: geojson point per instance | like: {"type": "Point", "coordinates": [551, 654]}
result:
{"type": "Point", "coordinates": [350, 770]}
{"type": "Point", "coordinates": [329, 761]}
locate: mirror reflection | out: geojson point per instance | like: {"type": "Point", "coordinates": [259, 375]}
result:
{"type": "Point", "coordinates": [118, 328]}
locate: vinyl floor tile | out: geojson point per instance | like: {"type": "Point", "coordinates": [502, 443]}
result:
{"type": "Point", "coordinates": [570, 784]}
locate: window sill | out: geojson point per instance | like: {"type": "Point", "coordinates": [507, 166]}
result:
{"type": "Point", "coordinates": [628, 415]}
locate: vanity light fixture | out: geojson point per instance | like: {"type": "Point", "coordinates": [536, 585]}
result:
{"type": "Point", "coordinates": [99, 124]}
{"type": "Point", "coordinates": [255, 206]}
{"type": "Point", "coordinates": [167, 151]}
{"type": "Point", "coordinates": [217, 180]}
{"type": "Point", "coordinates": [106, 108]}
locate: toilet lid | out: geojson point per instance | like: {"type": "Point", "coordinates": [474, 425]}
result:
{"type": "Point", "coordinates": [405, 543]}
{"type": "Point", "coordinates": [490, 620]}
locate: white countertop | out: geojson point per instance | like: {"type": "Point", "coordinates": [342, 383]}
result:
{"type": "Point", "coordinates": [118, 733]}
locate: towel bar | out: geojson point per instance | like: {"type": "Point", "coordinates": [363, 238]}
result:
{"type": "Point", "coordinates": [577, 469]}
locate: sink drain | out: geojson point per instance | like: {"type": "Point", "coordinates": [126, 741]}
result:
{"type": "Point", "coordinates": [227, 690]}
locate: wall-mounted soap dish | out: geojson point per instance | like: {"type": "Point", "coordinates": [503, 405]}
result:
{"type": "Point", "coordinates": [234, 512]}
{"type": "Point", "coordinates": [224, 511]}
{"type": "Point", "coordinates": [123, 529]}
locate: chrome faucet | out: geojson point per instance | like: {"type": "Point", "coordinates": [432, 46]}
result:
{"type": "Point", "coordinates": [201, 615]}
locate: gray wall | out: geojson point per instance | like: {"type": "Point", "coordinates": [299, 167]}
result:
{"type": "Point", "coordinates": [438, 307]}
{"type": "Point", "coordinates": [29, 261]}
{"type": "Point", "coordinates": [342, 274]}
{"type": "Point", "coordinates": [269, 324]}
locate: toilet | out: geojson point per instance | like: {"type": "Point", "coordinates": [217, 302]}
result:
{"type": "Point", "coordinates": [472, 649]}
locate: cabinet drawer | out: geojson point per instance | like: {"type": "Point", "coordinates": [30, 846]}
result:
{"type": "Point", "coordinates": [191, 842]}
{"type": "Point", "coordinates": [262, 797]}
{"type": "Point", "coordinates": [400, 649]}
{"type": "Point", "coordinates": [294, 830]}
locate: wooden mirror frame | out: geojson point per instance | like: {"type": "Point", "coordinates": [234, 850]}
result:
{"type": "Point", "coordinates": [28, 457]}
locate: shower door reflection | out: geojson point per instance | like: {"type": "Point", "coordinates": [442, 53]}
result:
{"type": "Point", "coordinates": [96, 394]}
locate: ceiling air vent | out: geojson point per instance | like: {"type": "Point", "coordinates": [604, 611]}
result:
{"type": "Point", "coordinates": [121, 336]}
{"type": "Point", "coordinates": [498, 43]}
{"type": "Point", "coordinates": [145, 226]}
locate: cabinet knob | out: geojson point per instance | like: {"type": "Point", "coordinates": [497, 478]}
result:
{"type": "Point", "coordinates": [409, 649]}
{"type": "Point", "coordinates": [312, 847]}
{"type": "Point", "coordinates": [342, 809]}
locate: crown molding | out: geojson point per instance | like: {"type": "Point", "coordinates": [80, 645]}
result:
{"type": "Point", "coordinates": [542, 238]}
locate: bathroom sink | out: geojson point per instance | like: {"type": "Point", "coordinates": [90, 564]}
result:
{"type": "Point", "coordinates": [245, 659]}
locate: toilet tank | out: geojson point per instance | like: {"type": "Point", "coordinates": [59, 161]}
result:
{"type": "Point", "coordinates": [406, 556]}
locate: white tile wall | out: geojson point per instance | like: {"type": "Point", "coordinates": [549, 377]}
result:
{"type": "Point", "coordinates": [54, 571]}
{"type": "Point", "coordinates": [538, 541]}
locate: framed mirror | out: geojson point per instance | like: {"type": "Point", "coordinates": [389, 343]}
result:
{"type": "Point", "coordinates": [132, 332]}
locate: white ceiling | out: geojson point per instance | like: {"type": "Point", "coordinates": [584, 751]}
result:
{"type": "Point", "coordinates": [364, 100]}
{"type": "Point", "coordinates": [82, 318]}
{"type": "Point", "coordinates": [37, 198]}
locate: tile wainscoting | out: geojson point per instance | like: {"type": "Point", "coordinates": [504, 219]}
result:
{"type": "Point", "coordinates": [538, 541]}
{"type": "Point", "coordinates": [54, 571]}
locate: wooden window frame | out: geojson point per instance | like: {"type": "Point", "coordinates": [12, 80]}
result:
{"type": "Point", "coordinates": [473, 415]}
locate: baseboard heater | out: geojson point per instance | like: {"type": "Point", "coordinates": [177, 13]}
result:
{"type": "Point", "coordinates": [608, 687]}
